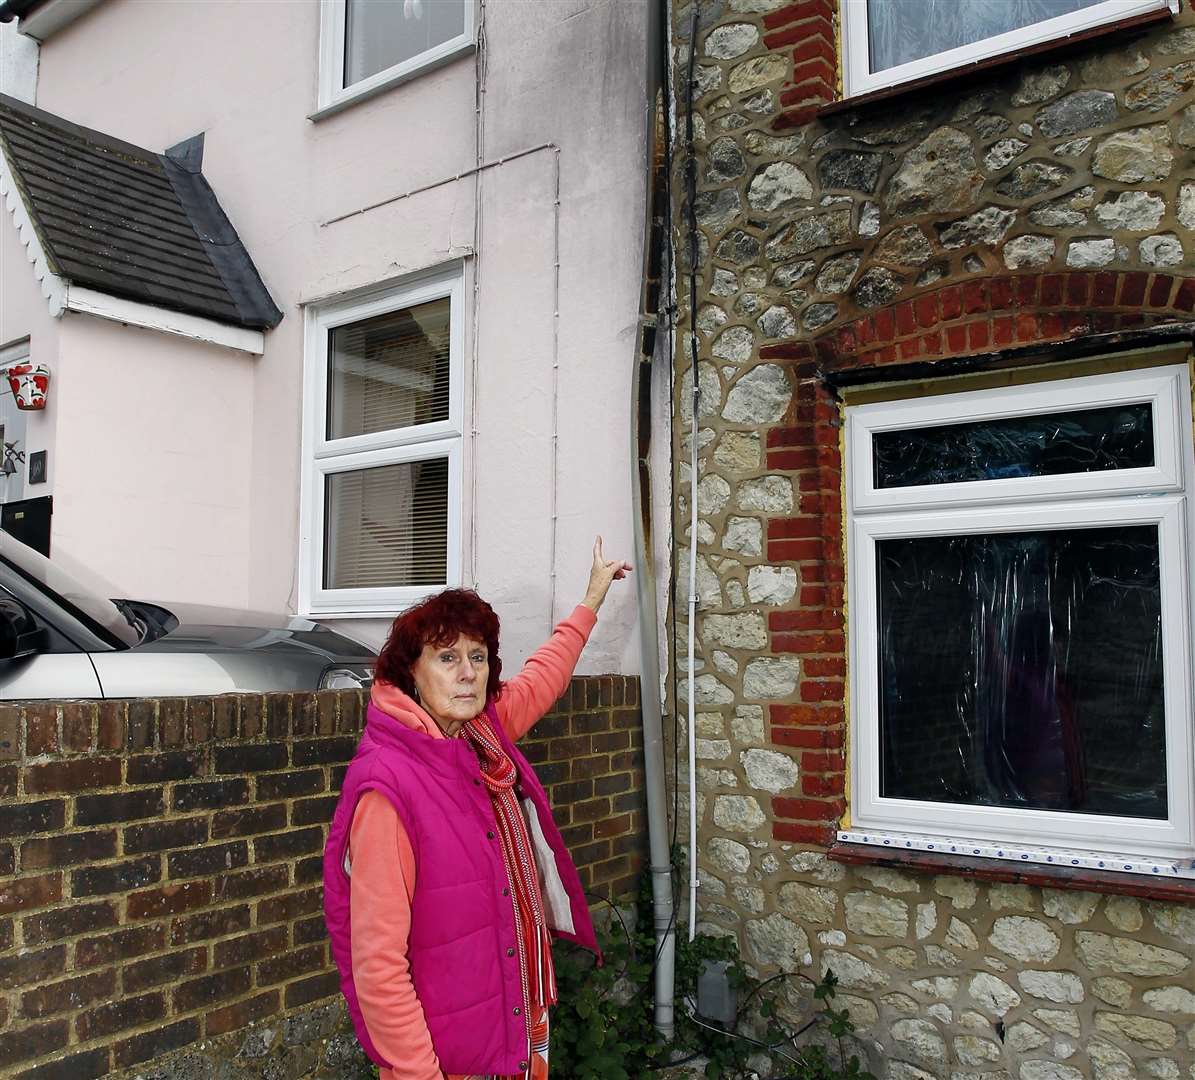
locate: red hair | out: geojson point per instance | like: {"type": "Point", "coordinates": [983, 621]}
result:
{"type": "Point", "coordinates": [438, 621]}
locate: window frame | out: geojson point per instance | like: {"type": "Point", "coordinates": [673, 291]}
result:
{"type": "Point", "coordinates": [1014, 507]}
{"type": "Point", "coordinates": [1159, 391]}
{"type": "Point", "coordinates": [323, 456]}
{"type": "Point", "coordinates": [858, 79]}
{"type": "Point", "coordinates": [333, 95]}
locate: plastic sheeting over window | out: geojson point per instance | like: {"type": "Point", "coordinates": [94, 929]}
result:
{"type": "Point", "coordinates": [1024, 670]}
{"type": "Point", "coordinates": [1051, 444]}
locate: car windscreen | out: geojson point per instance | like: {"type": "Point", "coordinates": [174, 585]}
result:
{"type": "Point", "coordinates": [83, 601]}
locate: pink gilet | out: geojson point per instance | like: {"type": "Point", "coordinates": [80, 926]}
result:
{"type": "Point", "coordinates": [462, 919]}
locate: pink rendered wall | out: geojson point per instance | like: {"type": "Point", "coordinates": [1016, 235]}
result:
{"type": "Point", "coordinates": [561, 71]}
{"type": "Point", "coordinates": [151, 489]}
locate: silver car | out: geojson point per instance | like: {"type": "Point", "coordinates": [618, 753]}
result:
{"type": "Point", "coordinates": [62, 638]}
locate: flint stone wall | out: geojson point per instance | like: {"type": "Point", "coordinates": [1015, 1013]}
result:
{"type": "Point", "coordinates": [1041, 202]}
{"type": "Point", "coordinates": [947, 977]}
{"type": "Point", "coordinates": [1081, 161]}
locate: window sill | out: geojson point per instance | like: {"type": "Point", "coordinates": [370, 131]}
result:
{"type": "Point", "coordinates": [941, 78]}
{"type": "Point", "coordinates": [997, 870]}
{"type": "Point", "coordinates": [398, 75]}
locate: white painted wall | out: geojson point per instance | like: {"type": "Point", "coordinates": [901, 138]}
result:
{"type": "Point", "coordinates": [18, 64]}
{"type": "Point", "coordinates": [565, 71]}
{"type": "Point", "coordinates": [152, 487]}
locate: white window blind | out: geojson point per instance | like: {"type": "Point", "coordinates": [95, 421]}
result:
{"type": "Point", "coordinates": [889, 42]}
{"type": "Point", "coordinates": [386, 526]}
{"type": "Point", "coordinates": [901, 31]}
{"type": "Point", "coordinates": [389, 372]}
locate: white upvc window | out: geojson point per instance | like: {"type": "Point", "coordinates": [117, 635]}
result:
{"type": "Point", "coordinates": [1020, 622]}
{"type": "Point", "coordinates": [889, 42]}
{"type": "Point", "coordinates": [381, 517]}
{"type": "Point", "coordinates": [367, 46]}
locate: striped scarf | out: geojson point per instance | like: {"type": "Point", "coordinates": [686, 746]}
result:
{"type": "Point", "coordinates": [535, 946]}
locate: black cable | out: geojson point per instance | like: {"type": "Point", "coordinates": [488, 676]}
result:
{"type": "Point", "coordinates": [670, 252]}
{"type": "Point", "coordinates": [626, 931]}
{"type": "Point", "coordinates": [771, 1048]}
{"type": "Point", "coordinates": [733, 1033]}
{"type": "Point", "coordinates": [767, 982]}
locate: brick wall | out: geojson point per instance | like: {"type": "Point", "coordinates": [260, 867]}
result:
{"type": "Point", "coordinates": [160, 860]}
{"type": "Point", "coordinates": [588, 752]}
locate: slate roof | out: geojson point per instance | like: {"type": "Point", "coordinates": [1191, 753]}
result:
{"type": "Point", "coordinates": [124, 221]}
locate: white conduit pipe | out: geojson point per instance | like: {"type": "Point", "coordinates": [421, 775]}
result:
{"type": "Point", "coordinates": [481, 62]}
{"type": "Point", "coordinates": [555, 390]}
{"type": "Point", "coordinates": [643, 390]}
{"type": "Point", "coordinates": [689, 643]}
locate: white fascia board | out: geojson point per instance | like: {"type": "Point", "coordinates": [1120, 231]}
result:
{"type": "Point", "coordinates": [51, 17]}
{"type": "Point", "coordinates": [117, 309]}
{"type": "Point", "coordinates": [52, 286]}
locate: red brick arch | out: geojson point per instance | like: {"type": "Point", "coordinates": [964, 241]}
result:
{"type": "Point", "coordinates": [995, 313]}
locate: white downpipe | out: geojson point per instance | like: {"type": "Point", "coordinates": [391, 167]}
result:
{"type": "Point", "coordinates": [691, 197]}
{"type": "Point", "coordinates": [653, 696]}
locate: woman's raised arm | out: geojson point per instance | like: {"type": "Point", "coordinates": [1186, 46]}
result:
{"type": "Point", "coordinates": [545, 676]}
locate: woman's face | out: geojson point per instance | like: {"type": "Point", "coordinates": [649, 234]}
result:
{"type": "Point", "coordinates": [451, 680]}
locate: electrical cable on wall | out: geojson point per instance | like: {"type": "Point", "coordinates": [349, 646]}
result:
{"type": "Point", "coordinates": [555, 448]}
{"type": "Point", "coordinates": [480, 62]}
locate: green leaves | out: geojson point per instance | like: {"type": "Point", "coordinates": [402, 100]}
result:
{"type": "Point", "coordinates": [602, 1028]}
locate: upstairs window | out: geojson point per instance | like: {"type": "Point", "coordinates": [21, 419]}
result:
{"type": "Point", "coordinates": [382, 462]}
{"type": "Point", "coordinates": [888, 42]}
{"type": "Point", "coordinates": [1020, 621]}
{"type": "Point", "coordinates": [369, 45]}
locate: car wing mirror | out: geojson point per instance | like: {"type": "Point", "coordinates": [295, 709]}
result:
{"type": "Point", "coordinates": [19, 633]}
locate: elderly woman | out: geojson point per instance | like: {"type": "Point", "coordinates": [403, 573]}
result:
{"type": "Point", "coordinates": [444, 874]}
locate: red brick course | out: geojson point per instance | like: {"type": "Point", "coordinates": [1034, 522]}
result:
{"type": "Point", "coordinates": [994, 313]}
{"type": "Point", "coordinates": [806, 31]}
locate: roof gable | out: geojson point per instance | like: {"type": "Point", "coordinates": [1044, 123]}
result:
{"type": "Point", "coordinates": [121, 220]}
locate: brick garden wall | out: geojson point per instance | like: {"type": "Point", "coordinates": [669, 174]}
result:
{"type": "Point", "coordinates": [1046, 201]}
{"type": "Point", "coordinates": [588, 753]}
{"type": "Point", "coordinates": [160, 866]}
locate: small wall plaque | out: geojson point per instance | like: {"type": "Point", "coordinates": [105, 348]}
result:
{"type": "Point", "coordinates": [37, 467]}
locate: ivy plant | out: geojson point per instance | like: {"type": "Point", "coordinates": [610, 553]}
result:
{"type": "Point", "coordinates": [602, 1025]}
